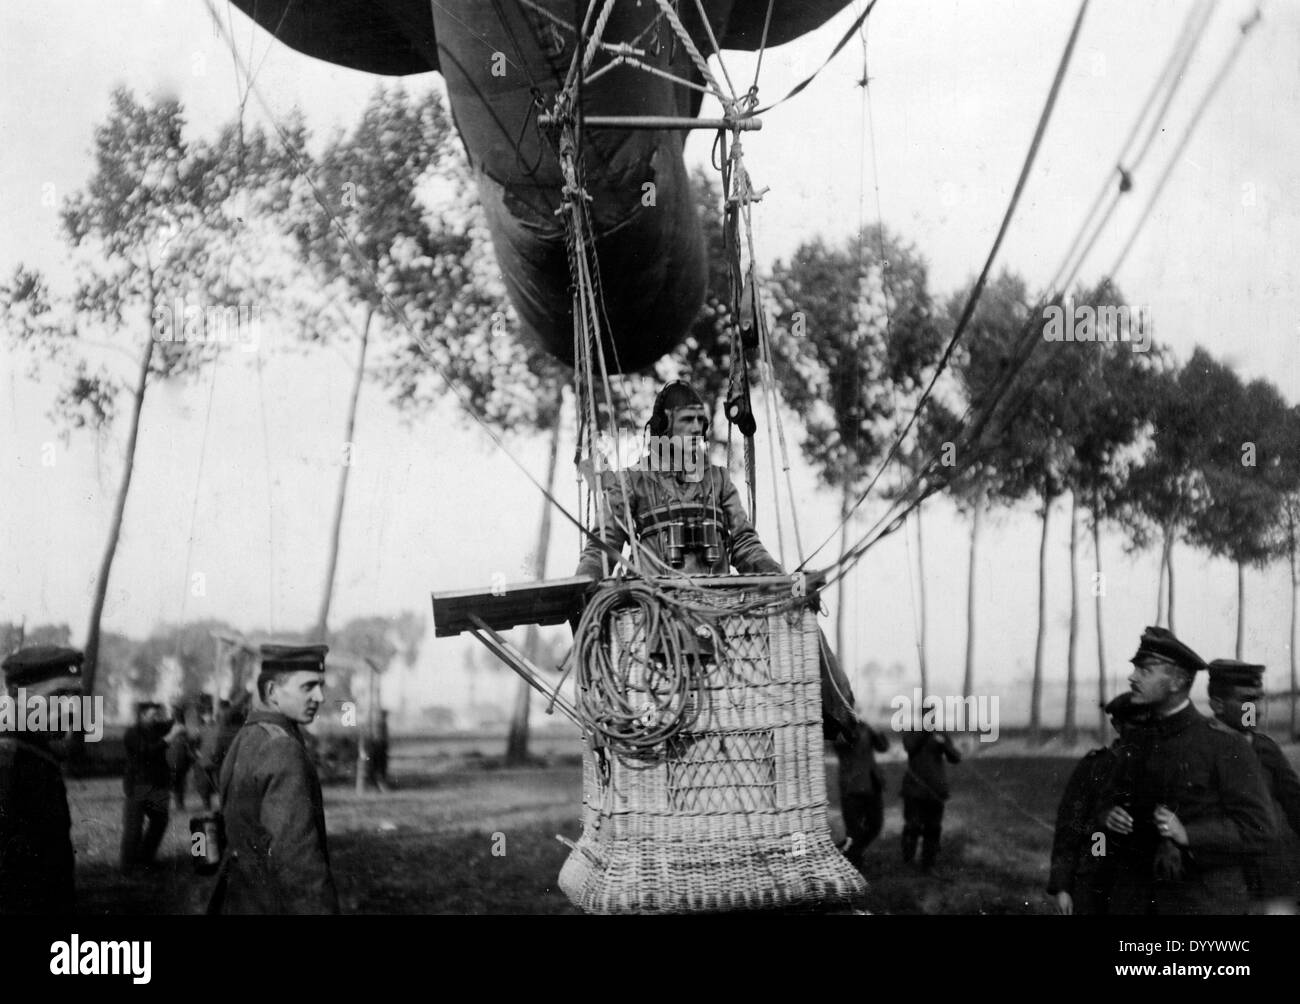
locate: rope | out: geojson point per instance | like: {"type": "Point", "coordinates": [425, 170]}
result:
{"type": "Point", "coordinates": [654, 689]}
{"type": "Point", "coordinates": [1245, 29]}
{"type": "Point", "coordinates": [853, 28]}
{"type": "Point", "coordinates": [689, 45]}
{"type": "Point", "coordinates": [398, 315]}
{"type": "Point", "coordinates": [973, 298]}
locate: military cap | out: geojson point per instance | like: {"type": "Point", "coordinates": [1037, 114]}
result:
{"type": "Point", "coordinates": [1122, 708]}
{"type": "Point", "coordinates": [41, 662]}
{"type": "Point", "coordinates": [1159, 643]}
{"type": "Point", "coordinates": [292, 658]}
{"type": "Point", "coordinates": [1232, 673]}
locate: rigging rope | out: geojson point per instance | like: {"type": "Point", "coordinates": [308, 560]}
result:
{"type": "Point", "coordinates": [973, 298]}
{"type": "Point", "coordinates": [398, 314]}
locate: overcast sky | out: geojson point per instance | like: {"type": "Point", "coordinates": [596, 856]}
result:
{"type": "Point", "coordinates": [956, 89]}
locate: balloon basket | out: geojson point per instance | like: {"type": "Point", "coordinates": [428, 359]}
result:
{"type": "Point", "coordinates": [730, 813]}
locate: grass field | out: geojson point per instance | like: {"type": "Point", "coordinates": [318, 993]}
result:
{"type": "Point", "coordinates": [426, 847]}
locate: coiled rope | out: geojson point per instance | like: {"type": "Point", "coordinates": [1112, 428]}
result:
{"type": "Point", "coordinates": [642, 663]}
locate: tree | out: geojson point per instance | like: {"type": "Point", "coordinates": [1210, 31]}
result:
{"type": "Point", "coordinates": [151, 224]}
{"type": "Point", "coordinates": [852, 366]}
{"type": "Point", "coordinates": [1245, 481]}
{"type": "Point", "coordinates": [376, 254]}
{"type": "Point", "coordinates": [1165, 489]}
{"type": "Point", "coordinates": [1105, 409]}
{"type": "Point", "coordinates": [985, 454]}
{"type": "Point", "coordinates": [1287, 541]}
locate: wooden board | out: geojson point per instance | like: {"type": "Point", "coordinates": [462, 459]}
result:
{"type": "Point", "coordinates": [543, 603]}
{"type": "Point", "coordinates": [553, 601]}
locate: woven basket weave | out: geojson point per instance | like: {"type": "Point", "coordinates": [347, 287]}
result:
{"type": "Point", "coordinates": [731, 814]}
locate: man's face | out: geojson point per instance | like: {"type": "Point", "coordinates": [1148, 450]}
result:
{"type": "Point", "coordinates": [298, 696]}
{"type": "Point", "coordinates": [688, 422]}
{"type": "Point", "coordinates": [1153, 681]}
{"type": "Point", "coordinates": [1239, 707]}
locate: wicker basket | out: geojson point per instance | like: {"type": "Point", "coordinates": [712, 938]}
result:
{"type": "Point", "coordinates": [731, 814]}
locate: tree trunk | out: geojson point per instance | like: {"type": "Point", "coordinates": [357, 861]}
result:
{"type": "Point", "coordinates": [320, 632]}
{"type": "Point", "coordinates": [968, 679]}
{"type": "Point", "coordinates": [1071, 727]}
{"type": "Point", "coordinates": [1036, 690]}
{"type": "Point", "coordinates": [91, 664]}
{"type": "Point", "coordinates": [845, 502]}
{"type": "Point", "coordinates": [920, 562]}
{"type": "Point", "coordinates": [1295, 603]}
{"type": "Point", "coordinates": [517, 740]}
{"type": "Point", "coordinates": [1241, 606]}
{"type": "Point", "coordinates": [1162, 595]}
{"type": "Point", "coordinates": [1098, 590]}
{"type": "Point", "coordinates": [1169, 567]}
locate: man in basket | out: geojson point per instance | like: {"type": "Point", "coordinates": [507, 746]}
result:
{"type": "Point", "coordinates": [688, 518]}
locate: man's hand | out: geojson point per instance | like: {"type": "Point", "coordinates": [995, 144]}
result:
{"type": "Point", "coordinates": [1064, 904]}
{"type": "Point", "coordinates": [1119, 821]}
{"type": "Point", "coordinates": [1170, 826]}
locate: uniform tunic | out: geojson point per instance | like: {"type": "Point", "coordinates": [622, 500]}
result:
{"type": "Point", "coordinates": [1075, 868]}
{"type": "Point", "coordinates": [1209, 777]}
{"type": "Point", "coordinates": [275, 822]}
{"type": "Point", "coordinates": [644, 490]}
{"type": "Point", "coordinates": [36, 857]}
{"type": "Point", "coordinates": [1276, 872]}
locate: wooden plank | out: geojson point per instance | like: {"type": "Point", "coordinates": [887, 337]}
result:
{"type": "Point", "coordinates": [556, 600]}
{"type": "Point", "coordinates": [543, 603]}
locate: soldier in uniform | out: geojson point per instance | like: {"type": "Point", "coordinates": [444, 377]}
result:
{"type": "Point", "coordinates": [278, 861]}
{"type": "Point", "coordinates": [1236, 697]}
{"type": "Point", "coordinates": [1079, 879]}
{"type": "Point", "coordinates": [925, 790]}
{"type": "Point", "coordinates": [1189, 806]}
{"type": "Point", "coordinates": [687, 515]}
{"type": "Point", "coordinates": [146, 785]}
{"type": "Point", "coordinates": [37, 871]}
{"type": "Point", "coordinates": [862, 789]}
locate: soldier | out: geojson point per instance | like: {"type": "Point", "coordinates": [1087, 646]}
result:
{"type": "Point", "coordinates": [687, 515]}
{"type": "Point", "coordinates": [862, 789]}
{"type": "Point", "coordinates": [147, 785]}
{"type": "Point", "coordinates": [278, 860]}
{"type": "Point", "coordinates": [37, 870]}
{"type": "Point", "coordinates": [1079, 880]}
{"type": "Point", "coordinates": [925, 790]}
{"type": "Point", "coordinates": [1189, 806]}
{"type": "Point", "coordinates": [1236, 695]}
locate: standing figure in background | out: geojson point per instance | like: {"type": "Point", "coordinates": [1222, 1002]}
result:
{"type": "Point", "coordinates": [180, 758]}
{"type": "Point", "coordinates": [377, 753]}
{"type": "Point", "coordinates": [147, 785]}
{"type": "Point", "coordinates": [862, 789]}
{"type": "Point", "coordinates": [206, 764]}
{"type": "Point", "coordinates": [925, 790]}
{"type": "Point", "coordinates": [37, 869]}
{"type": "Point", "coordinates": [1237, 699]}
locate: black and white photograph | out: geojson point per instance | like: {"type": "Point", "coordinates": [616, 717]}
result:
{"type": "Point", "coordinates": [751, 458]}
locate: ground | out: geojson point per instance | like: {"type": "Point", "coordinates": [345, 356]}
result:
{"type": "Point", "coordinates": [427, 846]}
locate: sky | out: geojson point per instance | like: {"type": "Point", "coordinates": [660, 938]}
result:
{"type": "Point", "coordinates": [236, 471]}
